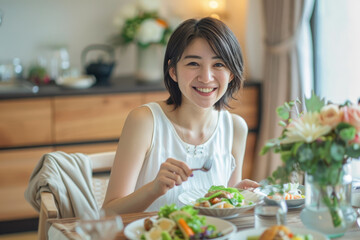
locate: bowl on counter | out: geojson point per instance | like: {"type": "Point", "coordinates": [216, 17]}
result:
{"type": "Point", "coordinates": [79, 82]}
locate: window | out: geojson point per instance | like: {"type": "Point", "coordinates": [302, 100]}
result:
{"type": "Point", "coordinates": [336, 35]}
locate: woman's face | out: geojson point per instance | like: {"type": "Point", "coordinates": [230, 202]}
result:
{"type": "Point", "coordinates": [201, 75]}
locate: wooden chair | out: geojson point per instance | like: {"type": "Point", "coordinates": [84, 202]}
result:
{"type": "Point", "coordinates": [102, 163]}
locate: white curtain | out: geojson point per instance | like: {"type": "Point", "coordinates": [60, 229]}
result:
{"type": "Point", "coordinates": [287, 71]}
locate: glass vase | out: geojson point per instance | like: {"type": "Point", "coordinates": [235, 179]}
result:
{"type": "Point", "coordinates": [328, 206]}
{"type": "Point", "coordinates": [149, 67]}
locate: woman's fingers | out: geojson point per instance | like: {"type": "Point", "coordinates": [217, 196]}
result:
{"type": "Point", "coordinates": [172, 173]}
{"type": "Point", "coordinates": [179, 168]}
{"type": "Point", "coordinates": [247, 184]}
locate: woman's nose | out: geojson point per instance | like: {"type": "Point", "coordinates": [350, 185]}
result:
{"type": "Point", "coordinates": [206, 75]}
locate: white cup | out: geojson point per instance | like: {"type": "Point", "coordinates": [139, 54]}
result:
{"type": "Point", "coordinates": [270, 215]}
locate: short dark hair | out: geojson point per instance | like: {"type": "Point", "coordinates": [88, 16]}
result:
{"type": "Point", "coordinates": [221, 40]}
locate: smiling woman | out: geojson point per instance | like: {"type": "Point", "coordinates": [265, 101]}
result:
{"type": "Point", "coordinates": [163, 141]}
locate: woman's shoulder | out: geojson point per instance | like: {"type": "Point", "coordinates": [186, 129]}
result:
{"type": "Point", "coordinates": [239, 123]}
{"type": "Point", "coordinates": [140, 116]}
{"type": "Point", "coordinates": [145, 114]}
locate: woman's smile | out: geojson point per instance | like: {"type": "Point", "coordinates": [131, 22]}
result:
{"type": "Point", "coordinates": [205, 91]}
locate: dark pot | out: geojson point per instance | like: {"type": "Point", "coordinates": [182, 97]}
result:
{"type": "Point", "coordinates": [100, 69]}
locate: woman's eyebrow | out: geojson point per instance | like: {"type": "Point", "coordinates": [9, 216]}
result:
{"type": "Point", "coordinates": [192, 56]}
{"type": "Point", "coordinates": [198, 57]}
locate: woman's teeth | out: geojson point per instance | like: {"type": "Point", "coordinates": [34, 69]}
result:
{"type": "Point", "coordinates": [205, 90]}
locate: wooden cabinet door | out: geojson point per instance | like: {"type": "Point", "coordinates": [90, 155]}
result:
{"type": "Point", "coordinates": [155, 96]}
{"type": "Point", "coordinates": [92, 118]}
{"type": "Point", "coordinates": [16, 167]}
{"type": "Point", "coordinates": [25, 122]}
{"type": "Point", "coordinates": [247, 105]}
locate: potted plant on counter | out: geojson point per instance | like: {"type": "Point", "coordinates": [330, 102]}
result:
{"type": "Point", "coordinates": [141, 23]}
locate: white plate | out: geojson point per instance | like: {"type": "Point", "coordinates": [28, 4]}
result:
{"type": "Point", "coordinates": [242, 235]}
{"type": "Point", "coordinates": [135, 229]}
{"type": "Point", "coordinates": [189, 198]}
{"type": "Point", "coordinates": [80, 82]}
{"type": "Point", "coordinates": [294, 203]}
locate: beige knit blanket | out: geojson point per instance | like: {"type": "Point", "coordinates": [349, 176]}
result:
{"type": "Point", "coordinates": [69, 178]}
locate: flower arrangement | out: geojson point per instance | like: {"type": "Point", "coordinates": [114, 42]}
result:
{"type": "Point", "coordinates": [141, 23]}
{"type": "Point", "coordinates": [319, 142]}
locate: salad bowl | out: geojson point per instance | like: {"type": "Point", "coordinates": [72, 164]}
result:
{"type": "Point", "coordinates": [251, 200]}
{"type": "Point", "coordinates": [135, 229]}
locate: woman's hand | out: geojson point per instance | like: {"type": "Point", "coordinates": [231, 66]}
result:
{"type": "Point", "coordinates": [172, 173]}
{"type": "Point", "coordinates": [247, 184]}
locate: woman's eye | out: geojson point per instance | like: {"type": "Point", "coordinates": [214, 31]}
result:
{"type": "Point", "coordinates": [219, 65]}
{"type": "Point", "coordinates": [192, 64]}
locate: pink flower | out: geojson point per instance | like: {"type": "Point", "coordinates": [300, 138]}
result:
{"type": "Point", "coordinates": [355, 140]}
{"type": "Point", "coordinates": [352, 116]}
{"type": "Point", "coordinates": [331, 115]}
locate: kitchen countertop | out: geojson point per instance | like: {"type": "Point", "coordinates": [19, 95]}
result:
{"type": "Point", "coordinates": [124, 84]}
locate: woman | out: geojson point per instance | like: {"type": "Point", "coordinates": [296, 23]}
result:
{"type": "Point", "coordinates": [161, 142]}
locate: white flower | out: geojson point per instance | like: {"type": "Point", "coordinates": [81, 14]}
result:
{"type": "Point", "coordinates": [119, 22]}
{"type": "Point", "coordinates": [128, 11]}
{"type": "Point", "coordinates": [307, 128]}
{"type": "Point", "coordinates": [148, 5]}
{"type": "Point", "coordinates": [150, 31]}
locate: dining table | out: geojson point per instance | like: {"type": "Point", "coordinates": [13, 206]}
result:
{"type": "Point", "coordinates": [65, 228]}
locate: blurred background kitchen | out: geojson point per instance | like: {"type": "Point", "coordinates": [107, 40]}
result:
{"type": "Point", "coordinates": [36, 31]}
{"type": "Point", "coordinates": [42, 43]}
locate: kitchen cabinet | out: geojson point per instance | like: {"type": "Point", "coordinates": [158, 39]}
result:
{"type": "Point", "coordinates": [24, 123]}
{"type": "Point", "coordinates": [92, 118]}
{"type": "Point", "coordinates": [89, 123]}
{"type": "Point", "coordinates": [16, 167]}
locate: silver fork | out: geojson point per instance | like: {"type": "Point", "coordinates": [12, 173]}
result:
{"type": "Point", "coordinates": [206, 167]}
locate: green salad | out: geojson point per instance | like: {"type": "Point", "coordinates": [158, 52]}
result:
{"type": "Point", "coordinates": [174, 223]}
{"type": "Point", "coordinates": [222, 197]}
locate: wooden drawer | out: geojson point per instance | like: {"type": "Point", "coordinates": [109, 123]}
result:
{"type": "Point", "coordinates": [25, 122]}
{"type": "Point", "coordinates": [16, 167]}
{"type": "Point", "coordinates": [247, 105]}
{"type": "Point", "coordinates": [92, 118]}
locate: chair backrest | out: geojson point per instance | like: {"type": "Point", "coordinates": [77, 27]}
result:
{"type": "Point", "coordinates": [101, 166]}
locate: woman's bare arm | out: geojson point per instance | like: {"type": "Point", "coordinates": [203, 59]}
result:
{"type": "Point", "coordinates": [133, 145]}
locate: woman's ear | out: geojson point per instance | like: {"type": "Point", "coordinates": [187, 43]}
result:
{"type": "Point", "coordinates": [172, 72]}
{"type": "Point", "coordinates": [231, 77]}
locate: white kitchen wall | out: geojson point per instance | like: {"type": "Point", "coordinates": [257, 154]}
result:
{"type": "Point", "coordinates": [31, 27]}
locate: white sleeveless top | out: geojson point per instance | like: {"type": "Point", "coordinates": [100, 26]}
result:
{"type": "Point", "coordinates": [167, 144]}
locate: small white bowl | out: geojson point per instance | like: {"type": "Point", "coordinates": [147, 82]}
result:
{"type": "Point", "coordinates": [80, 82]}
{"type": "Point", "coordinates": [293, 203]}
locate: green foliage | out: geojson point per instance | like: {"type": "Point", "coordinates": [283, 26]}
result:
{"type": "Point", "coordinates": [314, 103]}
{"type": "Point", "coordinates": [283, 112]}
